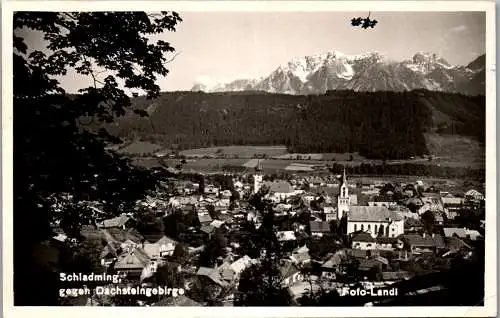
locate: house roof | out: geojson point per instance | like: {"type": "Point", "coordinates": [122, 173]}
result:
{"type": "Point", "coordinates": [450, 231]}
{"type": "Point", "coordinates": [452, 201]}
{"type": "Point", "coordinates": [358, 253]}
{"type": "Point", "coordinates": [204, 218]}
{"type": "Point", "coordinates": [367, 263]}
{"type": "Point", "coordinates": [217, 223]}
{"type": "Point", "coordinates": [328, 209]}
{"type": "Point", "coordinates": [207, 229]}
{"type": "Point", "coordinates": [152, 249]}
{"type": "Point", "coordinates": [333, 261]}
{"type": "Point", "coordinates": [239, 265]}
{"type": "Point", "coordinates": [211, 273]}
{"type": "Point", "coordinates": [165, 240]}
{"type": "Point", "coordinates": [428, 240]}
{"type": "Point", "coordinates": [363, 237]}
{"type": "Point", "coordinates": [226, 272]}
{"type": "Point", "coordinates": [279, 187]}
{"type": "Point", "coordinates": [287, 269]}
{"type": "Point", "coordinates": [300, 257]}
{"type": "Point", "coordinates": [319, 226]}
{"type": "Point", "coordinates": [386, 240]}
{"type": "Point", "coordinates": [286, 236]}
{"type": "Point", "coordinates": [204, 271]}
{"type": "Point", "coordinates": [134, 260]}
{"type": "Point", "coordinates": [118, 221]}
{"type": "Point", "coordinates": [111, 248]}
{"type": "Point", "coordinates": [372, 214]}
{"type": "Point", "coordinates": [180, 300]}
{"type": "Point", "coordinates": [120, 235]}
{"type": "Point", "coordinates": [473, 193]}
{"type": "Point", "coordinates": [302, 249]}
{"type": "Point", "coordinates": [455, 243]}
{"type": "Point", "coordinates": [396, 276]}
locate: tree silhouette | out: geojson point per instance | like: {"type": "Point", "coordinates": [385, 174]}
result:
{"type": "Point", "coordinates": [364, 23]}
{"type": "Point", "coordinates": [57, 149]}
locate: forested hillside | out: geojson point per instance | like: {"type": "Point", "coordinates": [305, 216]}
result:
{"type": "Point", "coordinates": [383, 125]}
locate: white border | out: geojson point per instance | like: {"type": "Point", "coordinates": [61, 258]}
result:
{"type": "Point", "coordinates": [490, 308]}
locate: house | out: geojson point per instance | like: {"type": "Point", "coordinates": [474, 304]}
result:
{"type": "Point", "coordinates": [217, 223]}
{"type": "Point", "coordinates": [165, 246]}
{"type": "Point", "coordinates": [332, 265]}
{"type": "Point", "coordinates": [387, 204]}
{"type": "Point", "coordinates": [300, 256]}
{"type": "Point", "coordinates": [431, 203]}
{"type": "Point", "coordinates": [110, 253]}
{"type": "Point", "coordinates": [367, 266]}
{"type": "Point", "coordinates": [226, 194]}
{"type": "Point", "coordinates": [128, 237]}
{"type": "Point", "coordinates": [179, 201]}
{"type": "Point", "coordinates": [211, 190]}
{"type": "Point", "coordinates": [463, 233]}
{"type": "Point", "coordinates": [207, 229]}
{"type": "Point", "coordinates": [455, 245]}
{"type": "Point", "coordinates": [389, 243]}
{"type": "Point", "coordinates": [319, 228]}
{"type": "Point", "coordinates": [211, 275]}
{"type": "Point", "coordinates": [284, 236]}
{"type": "Point", "coordinates": [238, 185]}
{"type": "Point", "coordinates": [223, 203]}
{"type": "Point", "coordinates": [226, 272]}
{"type": "Point", "coordinates": [290, 274]}
{"type": "Point", "coordinates": [205, 219]}
{"type": "Point", "coordinates": [122, 222]}
{"type": "Point", "coordinates": [390, 278]}
{"type": "Point", "coordinates": [353, 198]}
{"type": "Point", "coordinates": [132, 262]}
{"type": "Point", "coordinates": [308, 197]}
{"type": "Point", "coordinates": [241, 264]}
{"type": "Point", "coordinates": [364, 241]}
{"type": "Point", "coordinates": [424, 243]}
{"type": "Point", "coordinates": [180, 300]}
{"type": "Point", "coordinates": [374, 220]}
{"type": "Point", "coordinates": [451, 206]}
{"type": "Point", "coordinates": [330, 213]}
{"type": "Point", "coordinates": [474, 195]}
{"type": "Point", "coordinates": [280, 191]}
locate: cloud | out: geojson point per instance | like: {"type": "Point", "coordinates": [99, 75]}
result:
{"type": "Point", "coordinates": [459, 28]}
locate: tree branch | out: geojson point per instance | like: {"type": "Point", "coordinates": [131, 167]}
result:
{"type": "Point", "coordinates": [173, 58]}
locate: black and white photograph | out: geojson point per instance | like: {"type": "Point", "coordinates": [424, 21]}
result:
{"type": "Point", "coordinates": [305, 158]}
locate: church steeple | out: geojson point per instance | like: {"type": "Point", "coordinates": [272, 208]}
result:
{"type": "Point", "coordinates": [343, 200]}
{"type": "Point", "coordinates": [258, 167]}
{"type": "Point", "coordinates": [344, 178]}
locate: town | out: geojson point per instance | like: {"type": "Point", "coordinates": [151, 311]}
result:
{"type": "Point", "coordinates": [209, 234]}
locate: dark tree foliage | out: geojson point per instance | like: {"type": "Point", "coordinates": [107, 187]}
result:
{"type": "Point", "coordinates": [429, 222]}
{"type": "Point", "coordinates": [364, 23]}
{"type": "Point", "coordinates": [55, 153]}
{"type": "Point", "coordinates": [339, 121]}
{"type": "Point", "coordinates": [412, 169]}
{"type": "Point", "coordinates": [260, 285]}
{"type": "Point", "coordinates": [214, 248]}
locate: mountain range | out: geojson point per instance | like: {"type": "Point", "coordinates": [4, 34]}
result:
{"type": "Point", "coordinates": [370, 71]}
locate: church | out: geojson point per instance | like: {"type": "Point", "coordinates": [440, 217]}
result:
{"type": "Point", "coordinates": [377, 221]}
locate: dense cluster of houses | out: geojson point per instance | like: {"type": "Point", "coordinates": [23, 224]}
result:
{"type": "Point", "coordinates": [376, 225]}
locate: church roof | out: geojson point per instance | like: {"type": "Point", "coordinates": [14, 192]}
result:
{"type": "Point", "coordinates": [372, 214]}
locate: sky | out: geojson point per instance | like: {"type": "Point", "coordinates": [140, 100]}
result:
{"type": "Point", "coordinates": [224, 46]}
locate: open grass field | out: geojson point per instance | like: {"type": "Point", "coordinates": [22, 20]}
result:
{"type": "Point", "coordinates": [139, 148]}
{"type": "Point", "coordinates": [456, 151]}
{"type": "Point", "coordinates": [240, 151]}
